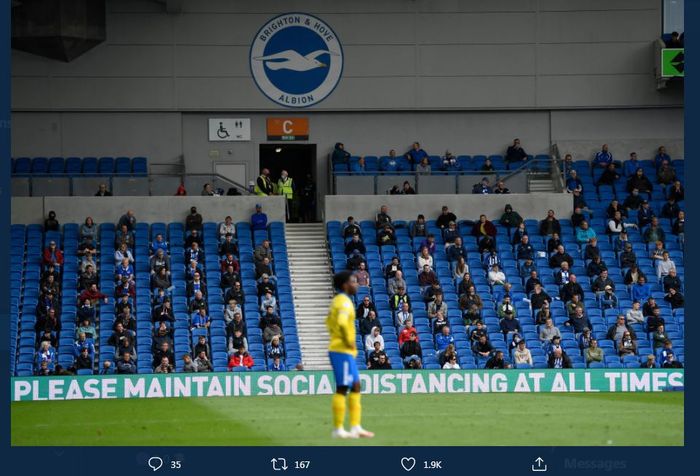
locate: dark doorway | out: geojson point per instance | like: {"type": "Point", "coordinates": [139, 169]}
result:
{"type": "Point", "coordinates": [299, 160]}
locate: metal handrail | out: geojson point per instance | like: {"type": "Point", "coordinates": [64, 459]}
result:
{"type": "Point", "coordinates": [107, 179]}
{"type": "Point", "coordinates": [504, 174]}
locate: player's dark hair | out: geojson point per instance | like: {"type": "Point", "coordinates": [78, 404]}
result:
{"type": "Point", "coordinates": [341, 278]}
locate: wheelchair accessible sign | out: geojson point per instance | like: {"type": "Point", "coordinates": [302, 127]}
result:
{"type": "Point", "coordinates": [296, 60]}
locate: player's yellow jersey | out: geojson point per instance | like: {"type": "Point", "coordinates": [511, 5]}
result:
{"type": "Point", "coordinates": [341, 325]}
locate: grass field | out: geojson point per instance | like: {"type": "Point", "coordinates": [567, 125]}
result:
{"type": "Point", "coordinates": [449, 419]}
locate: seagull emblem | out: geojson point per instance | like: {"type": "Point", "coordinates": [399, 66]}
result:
{"type": "Point", "coordinates": [290, 59]}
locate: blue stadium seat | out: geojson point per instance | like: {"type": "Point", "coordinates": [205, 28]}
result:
{"type": "Point", "coordinates": [105, 166]}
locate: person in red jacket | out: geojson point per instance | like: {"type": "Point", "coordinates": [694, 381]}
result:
{"type": "Point", "coordinates": [483, 228]}
{"type": "Point", "coordinates": [240, 359]}
{"type": "Point", "coordinates": [93, 294]}
{"type": "Point", "coordinates": [53, 256]}
{"type": "Point", "coordinates": [406, 331]}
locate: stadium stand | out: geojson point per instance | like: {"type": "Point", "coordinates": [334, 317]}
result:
{"type": "Point", "coordinates": [32, 302]}
{"type": "Point", "coordinates": [601, 313]}
{"type": "Point", "coordinates": [79, 167]}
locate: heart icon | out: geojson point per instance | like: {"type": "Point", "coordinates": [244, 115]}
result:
{"type": "Point", "coordinates": [408, 463]}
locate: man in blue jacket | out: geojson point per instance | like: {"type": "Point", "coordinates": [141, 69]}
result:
{"type": "Point", "coordinates": [603, 158]}
{"type": "Point", "coordinates": [258, 220]}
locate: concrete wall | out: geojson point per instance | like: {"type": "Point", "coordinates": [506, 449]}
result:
{"type": "Point", "coordinates": [147, 209]}
{"type": "Point", "coordinates": [532, 205]}
{"type": "Point", "coordinates": [581, 133]}
{"type": "Point", "coordinates": [399, 54]}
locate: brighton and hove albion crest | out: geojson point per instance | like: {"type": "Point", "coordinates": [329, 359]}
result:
{"type": "Point", "coordinates": [296, 60]}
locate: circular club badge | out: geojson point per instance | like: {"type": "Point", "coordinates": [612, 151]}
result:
{"type": "Point", "coordinates": [296, 60]}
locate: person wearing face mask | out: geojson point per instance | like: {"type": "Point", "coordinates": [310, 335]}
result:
{"type": "Point", "coordinates": [285, 187]}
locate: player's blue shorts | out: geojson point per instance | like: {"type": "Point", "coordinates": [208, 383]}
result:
{"type": "Point", "coordinates": [344, 369]}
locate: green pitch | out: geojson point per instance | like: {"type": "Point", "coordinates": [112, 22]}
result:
{"type": "Point", "coordinates": [448, 419]}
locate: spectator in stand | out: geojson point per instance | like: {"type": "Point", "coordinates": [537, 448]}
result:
{"type": "Point", "coordinates": [549, 331]}
{"type": "Point", "coordinates": [203, 363]}
{"type": "Point", "coordinates": [626, 345]}
{"type": "Point", "coordinates": [603, 158]}
{"type": "Point", "coordinates": [362, 276]}
{"type": "Point", "coordinates": [88, 230]}
{"type": "Point", "coordinates": [593, 353]}
{"type": "Point", "coordinates": [640, 291]}
{"type": "Point", "coordinates": [664, 266]}
{"type": "Point", "coordinates": [666, 174]}
{"type": "Point", "coordinates": [424, 258]}
{"type": "Point", "coordinates": [525, 250]}
{"type": "Point", "coordinates": [351, 228]}
{"type": "Point", "coordinates": [640, 182]}
{"type": "Point", "coordinates": [94, 295]}
{"type": "Point", "coordinates": [194, 221]}
{"type": "Point", "coordinates": [241, 359]}
{"type": "Point", "coordinates": [450, 234]}
{"type": "Point", "coordinates": [635, 315]}
{"type": "Point", "coordinates": [628, 257]}
{"type": "Point", "coordinates": [403, 315]}
{"type": "Point", "coordinates": [608, 177]}
{"type": "Point", "coordinates": [128, 220]}
{"type": "Point", "coordinates": [497, 361]}
{"type": "Point", "coordinates": [445, 217]}
{"type": "Point", "coordinates": [258, 220]}
{"type": "Point", "coordinates": [340, 155]}
{"type": "Point", "coordinates": [670, 209]}
{"type": "Point", "coordinates": [277, 365]}
{"type": "Point", "coordinates": [450, 163]}
{"type": "Point", "coordinates": [373, 338]}
{"type": "Point", "coordinates": [416, 155]}
{"type": "Point", "coordinates": [51, 223]}
{"type": "Point", "coordinates": [550, 225]}
{"type": "Point", "coordinates": [500, 188]}
{"type": "Point", "coordinates": [584, 233]}
{"type": "Point", "coordinates": [649, 363]}
{"type": "Point", "coordinates": [560, 256]}
{"type": "Point", "coordinates": [383, 219]}
{"type": "Point", "coordinates": [163, 313]}
{"type": "Point", "coordinates": [671, 280]}
{"type": "Point", "coordinates": [429, 242]}
{"type": "Point", "coordinates": [426, 278]}
{"type": "Point", "coordinates": [615, 206]}
{"type": "Point", "coordinates": [53, 256]}
{"type": "Point", "coordinates": [200, 320]}
{"type": "Point", "coordinates": [617, 330]}
{"type": "Point", "coordinates": [164, 366]}
{"type": "Point", "coordinates": [423, 167]}
{"type": "Point", "coordinates": [573, 182]}
{"type": "Point", "coordinates": [601, 283]}
{"type": "Point", "coordinates": [631, 165]}
{"type": "Point", "coordinates": [227, 227]}
{"type": "Point", "coordinates": [102, 191]}
{"type": "Point", "coordinates": [676, 191]}
{"type": "Point", "coordinates": [418, 227]}
{"type": "Point", "coordinates": [559, 360]}
{"type": "Point", "coordinates": [392, 268]}
{"type": "Point", "coordinates": [654, 232]}
{"type": "Point", "coordinates": [393, 284]}
{"type": "Point", "coordinates": [386, 236]}
{"type": "Point", "coordinates": [671, 363]}
{"type": "Point", "coordinates": [596, 266]}
{"type": "Point", "coordinates": [495, 276]}
{"type": "Point", "coordinates": [483, 228]}
{"type": "Point", "coordinates": [521, 354]}
{"type": "Point", "coordinates": [511, 218]}
{"type": "Point", "coordinates": [674, 298]}
{"type": "Point", "coordinates": [411, 352]}
{"type": "Point", "coordinates": [578, 321]}
{"type": "Point", "coordinates": [126, 365]}
{"type": "Point", "coordinates": [437, 306]}
{"type": "Point", "coordinates": [483, 187]}
{"type": "Point", "coordinates": [584, 340]}
{"type": "Point", "coordinates": [515, 153]}
{"type": "Point", "coordinates": [355, 244]}
{"type": "Point", "coordinates": [228, 246]}
{"type": "Point", "coordinates": [159, 243]}
{"type": "Point", "coordinates": [124, 236]}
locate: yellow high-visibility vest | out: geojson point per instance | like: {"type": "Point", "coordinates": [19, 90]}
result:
{"type": "Point", "coordinates": [284, 187]}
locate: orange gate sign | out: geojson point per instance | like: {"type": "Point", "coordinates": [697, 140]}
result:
{"type": "Point", "coordinates": [287, 128]}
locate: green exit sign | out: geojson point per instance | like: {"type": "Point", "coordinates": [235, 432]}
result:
{"type": "Point", "coordinates": [672, 62]}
